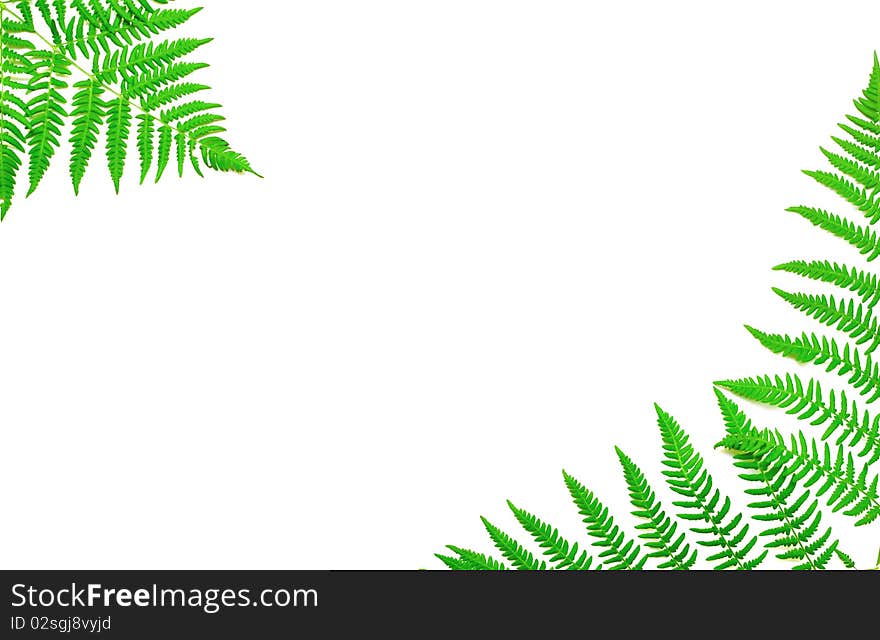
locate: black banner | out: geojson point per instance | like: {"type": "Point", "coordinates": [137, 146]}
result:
{"type": "Point", "coordinates": [268, 604]}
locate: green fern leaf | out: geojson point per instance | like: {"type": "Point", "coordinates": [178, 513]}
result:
{"type": "Point", "coordinates": [869, 104]}
{"type": "Point", "coordinates": [46, 110]}
{"type": "Point", "coordinates": [862, 238]}
{"type": "Point", "coordinates": [869, 180]}
{"type": "Point", "coordinates": [854, 427]}
{"type": "Point", "coordinates": [686, 475]}
{"type": "Point", "coordinates": [783, 501]}
{"type": "Point", "coordinates": [861, 372]}
{"type": "Point", "coordinates": [166, 136]}
{"type": "Point", "coordinates": [118, 129]}
{"type": "Point", "coordinates": [456, 564]}
{"type": "Point", "coordinates": [790, 477]}
{"type": "Point", "coordinates": [660, 532]}
{"type": "Point", "coordinates": [146, 143]}
{"type": "Point", "coordinates": [846, 316]}
{"type": "Point", "coordinates": [129, 73]}
{"type": "Point", "coordinates": [14, 112]}
{"type": "Point", "coordinates": [89, 111]}
{"type": "Point", "coordinates": [857, 152]}
{"type": "Point", "coordinates": [564, 554]}
{"type": "Point", "coordinates": [847, 489]}
{"type": "Point", "coordinates": [619, 552]}
{"type": "Point", "coordinates": [519, 556]}
{"type": "Point", "coordinates": [861, 198]}
{"type": "Point", "coordinates": [473, 561]}
{"type": "Point", "coordinates": [849, 278]}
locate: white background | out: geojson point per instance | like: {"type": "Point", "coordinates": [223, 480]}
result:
{"type": "Point", "coordinates": [490, 236]}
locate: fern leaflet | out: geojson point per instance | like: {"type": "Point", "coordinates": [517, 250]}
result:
{"type": "Point", "coordinates": [660, 532]}
{"type": "Point", "coordinates": [848, 363]}
{"type": "Point", "coordinates": [686, 475]}
{"type": "Point", "coordinates": [808, 402]}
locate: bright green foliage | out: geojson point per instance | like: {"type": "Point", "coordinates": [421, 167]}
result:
{"type": "Point", "coordinates": [14, 112]}
{"type": "Point", "coordinates": [838, 466]}
{"type": "Point", "coordinates": [619, 552]}
{"type": "Point", "coordinates": [847, 316]}
{"type": "Point", "coordinates": [787, 482]}
{"type": "Point", "coordinates": [103, 67]}
{"type": "Point", "coordinates": [703, 509]}
{"type": "Point", "coordinates": [849, 278]}
{"type": "Point", "coordinates": [46, 110]}
{"type": "Point", "coordinates": [468, 560]}
{"type": "Point", "coordinates": [851, 425]}
{"type": "Point", "coordinates": [519, 556]}
{"type": "Point", "coordinates": [659, 531]}
{"type": "Point", "coordinates": [795, 518]}
{"type": "Point", "coordinates": [616, 551]}
{"type": "Point", "coordinates": [861, 372]}
{"type": "Point", "coordinates": [862, 238]}
{"type": "Point", "coordinates": [686, 475]}
{"type": "Point", "coordinates": [561, 553]}
{"type": "Point", "coordinates": [847, 487]}
{"type": "Point", "coordinates": [789, 477]}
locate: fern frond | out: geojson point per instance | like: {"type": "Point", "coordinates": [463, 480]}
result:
{"type": "Point", "coordinates": [833, 470]}
{"type": "Point", "coordinates": [519, 556]}
{"type": "Point", "coordinates": [861, 198]}
{"type": "Point", "coordinates": [856, 427]}
{"type": "Point", "coordinates": [132, 77]}
{"type": "Point", "coordinates": [783, 499]}
{"type": "Point", "coordinates": [860, 154]}
{"type": "Point", "coordinates": [868, 180]}
{"type": "Point", "coordinates": [456, 564]}
{"type": "Point", "coordinates": [791, 478]}
{"type": "Point", "coordinates": [46, 110]}
{"type": "Point", "coordinates": [472, 561]}
{"type": "Point", "coordinates": [687, 476]}
{"type": "Point", "coordinates": [845, 559]}
{"type": "Point", "coordinates": [856, 179]}
{"type": "Point", "coordinates": [564, 554]}
{"type": "Point", "coordinates": [861, 372]}
{"type": "Point", "coordinates": [89, 111]}
{"type": "Point", "coordinates": [848, 317]}
{"type": "Point", "coordinates": [14, 113]}
{"type": "Point", "coordinates": [146, 143]}
{"type": "Point", "coordinates": [869, 104]}
{"type": "Point", "coordinates": [849, 278]}
{"type": "Point", "coordinates": [88, 34]}
{"type": "Point", "coordinates": [660, 532]}
{"type": "Point", "coordinates": [862, 238]}
{"type": "Point", "coordinates": [619, 552]}
{"type": "Point", "coordinates": [118, 129]}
